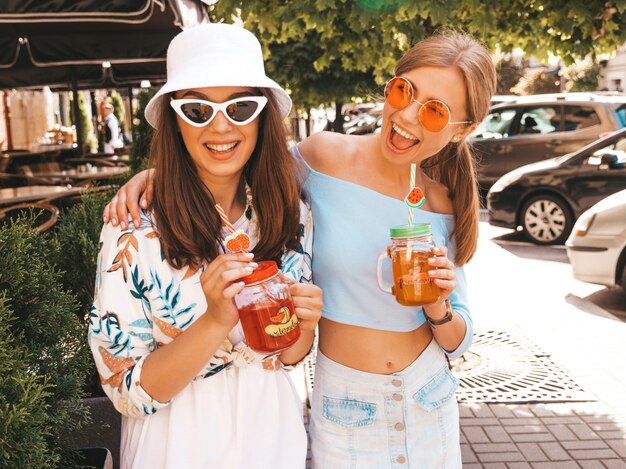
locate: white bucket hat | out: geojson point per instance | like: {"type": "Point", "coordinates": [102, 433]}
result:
{"type": "Point", "coordinates": [214, 54]}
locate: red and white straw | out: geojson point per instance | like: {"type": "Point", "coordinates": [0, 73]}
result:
{"type": "Point", "coordinates": [225, 219]}
{"type": "Point", "coordinates": [232, 230]}
{"type": "Point", "coordinates": [269, 295]}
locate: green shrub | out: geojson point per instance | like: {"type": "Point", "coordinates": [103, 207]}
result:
{"type": "Point", "coordinates": [77, 234]}
{"type": "Point", "coordinates": [23, 403]}
{"type": "Point", "coordinates": [582, 75]}
{"type": "Point", "coordinates": [41, 330]}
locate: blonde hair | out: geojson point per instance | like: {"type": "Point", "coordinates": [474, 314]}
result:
{"type": "Point", "coordinates": [454, 166]}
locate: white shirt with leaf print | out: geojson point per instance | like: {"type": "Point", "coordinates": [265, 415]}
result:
{"type": "Point", "coordinates": [142, 303]}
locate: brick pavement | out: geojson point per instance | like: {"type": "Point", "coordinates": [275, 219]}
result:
{"type": "Point", "coordinates": [559, 435]}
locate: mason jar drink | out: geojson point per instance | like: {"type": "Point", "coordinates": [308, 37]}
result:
{"type": "Point", "coordinates": [411, 247]}
{"type": "Point", "coordinates": [266, 310]}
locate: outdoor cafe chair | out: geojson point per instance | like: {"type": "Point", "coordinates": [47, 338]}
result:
{"type": "Point", "coordinates": [115, 158]}
{"type": "Point", "coordinates": [118, 158]}
{"type": "Point", "coordinates": [20, 180]}
{"type": "Point", "coordinates": [63, 201]}
{"type": "Point", "coordinates": [45, 214]}
{"type": "Point", "coordinates": [72, 162]}
{"type": "Point", "coordinates": [16, 150]}
{"type": "Point", "coordinates": [13, 160]}
{"type": "Point", "coordinates": [79, 169]}
{"type": "Point", "coordinates": [100, 155]}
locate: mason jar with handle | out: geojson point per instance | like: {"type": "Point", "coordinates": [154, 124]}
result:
{"type": "Point", "coordinates": [266, 310]}
{"type": "Point", "coordinates": [411, 247]}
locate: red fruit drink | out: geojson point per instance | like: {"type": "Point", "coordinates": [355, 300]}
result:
{"type": "Point", "coordinates": [266, 310]}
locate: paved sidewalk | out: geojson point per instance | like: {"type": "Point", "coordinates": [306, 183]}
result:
{"type": "Point", "coordinates": [541, 436]}
{"type": "Point", "coordinates": [584, 341]}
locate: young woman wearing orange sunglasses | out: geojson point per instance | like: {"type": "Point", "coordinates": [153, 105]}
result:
{"type": "Point", "coordinates": [384, 396]}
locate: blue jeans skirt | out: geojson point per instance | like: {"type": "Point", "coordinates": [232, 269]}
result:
{"type": "Point", "coordinates": [408, 419]}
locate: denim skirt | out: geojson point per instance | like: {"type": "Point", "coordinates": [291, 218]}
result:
{"type": "Point", "coordinates": [408, 419]}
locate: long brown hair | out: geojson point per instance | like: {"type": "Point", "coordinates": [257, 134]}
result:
{"type": "Point", "coordinates": [184, 208]}
{"type": "Point", "coordinates": [454, 166]}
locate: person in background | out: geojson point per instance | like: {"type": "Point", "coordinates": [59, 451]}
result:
{"type": "Point", "coordinates": [383, 394]}
{"type": "Point", "coordinates": [112, 134]}
{"type": "Point", "coordinates": [163, 329]}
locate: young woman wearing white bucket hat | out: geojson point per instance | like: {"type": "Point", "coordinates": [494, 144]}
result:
{"type": "Point", "coordinates": [384, 396]}
{"type": "Point", "coordinates": [164, 330]}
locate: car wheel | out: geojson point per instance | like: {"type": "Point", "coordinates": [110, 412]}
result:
{"type": "Point", "coordinates": [546, 219]}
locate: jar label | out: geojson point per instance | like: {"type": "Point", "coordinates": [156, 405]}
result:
{"type": "Point", "coordinates": [282, 323]}
{"type": "Point", "coordinates": [414, 279]}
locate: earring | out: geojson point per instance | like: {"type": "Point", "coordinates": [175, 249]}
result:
{"type": "Point", "coordinates": [456, 139]}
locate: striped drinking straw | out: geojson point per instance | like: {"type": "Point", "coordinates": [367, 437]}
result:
{"type": "Point", "coordinates": [412, 186]}
{"type": "Point", "coordinates": [225, 219]}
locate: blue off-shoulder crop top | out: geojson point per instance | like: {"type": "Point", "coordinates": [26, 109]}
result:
{"type": "Point", "coordinates": [351, 228]}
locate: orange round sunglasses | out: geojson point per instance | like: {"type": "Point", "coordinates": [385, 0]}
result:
{"type": "Point", "coordinates": [434, 115]}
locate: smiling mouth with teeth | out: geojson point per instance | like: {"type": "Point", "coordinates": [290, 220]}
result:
{"type": "Point", "coordinates": [404, 133]}
{"type": "Point", "coordinates": [220, 148]}
{"type": "Point", "coordinates": [401, 139]}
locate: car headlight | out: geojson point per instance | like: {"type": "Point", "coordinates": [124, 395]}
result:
{"type": "Point", "coordinates": [584, 223]}
{"type": "Point", "coordinates": [504, 181]}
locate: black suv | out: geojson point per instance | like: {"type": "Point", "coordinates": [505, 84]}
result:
{"type": "Point", "coordinates": [545, 198]}
{"type": "Point", "coordinates": [528, 129]}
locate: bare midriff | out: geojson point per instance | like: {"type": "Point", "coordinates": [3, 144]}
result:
{"type": "Point", "coordinates": [372, 350]}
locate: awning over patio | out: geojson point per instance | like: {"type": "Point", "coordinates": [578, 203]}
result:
{"type": "Point", "coordinates": [97, 43]}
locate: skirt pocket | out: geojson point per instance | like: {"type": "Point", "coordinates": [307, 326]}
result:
{"type": "Point", "coordinates": [348, 413]}
{"type": "Point", "coordinates": [439, 389]}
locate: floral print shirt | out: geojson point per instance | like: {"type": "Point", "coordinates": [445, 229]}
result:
{"type": "Point", "coordinates": [141, 303]}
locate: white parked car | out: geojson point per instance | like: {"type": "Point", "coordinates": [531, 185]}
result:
{"type": "Point", "coordinates": [597, 245]}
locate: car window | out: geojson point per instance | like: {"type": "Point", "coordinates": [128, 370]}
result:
{"type": "Point", "coordinates": [619, 111]}
{"type": "Point", "coordinates": [616, 151]}
{"type": "Point", "coordinates": [496, 125]}
{"type": "Point", "coordinates": [580, 117]}
{"type": "Point", "coordinates": [539, 120]}
{"type": "Point", "coordinates": [620, 145]}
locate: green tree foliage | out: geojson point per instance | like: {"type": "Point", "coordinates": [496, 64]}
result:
{"type": "Point", "coordinates": [537, 81]}
{"type": "Point", "coordinates": [368, 36]}
{"type": "Point", "coordinates": [86, 125]}
{"type": "Point", "coordinates": [41, 394]}
{"type": "Point", "coordinates": [142, 134]}
{"type": "Point", "coordinates": [509, 74]}
{"type": "Point", "coordinates": [310, 87]}
{"type": "Point", "coordinates": [582, 75]}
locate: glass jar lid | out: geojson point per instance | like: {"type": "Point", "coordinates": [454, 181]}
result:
{"type": "Point", "coordinates": [411, 231]}
{"type": "Point", "coordinates": [265, 271]}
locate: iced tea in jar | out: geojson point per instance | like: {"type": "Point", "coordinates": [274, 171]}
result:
{"type": "Point", "coordinates": [266, 310]}
{"type": "Point", "coordinates": [411, 246]}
